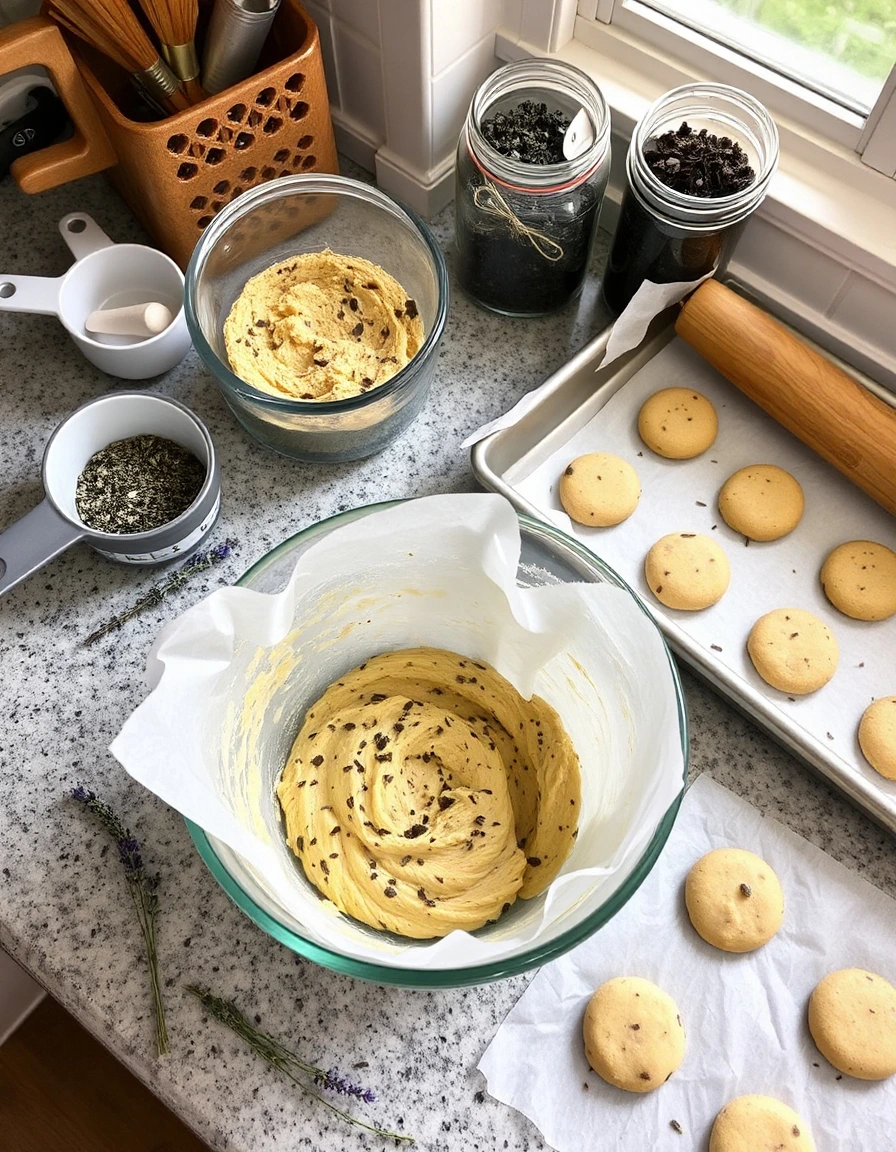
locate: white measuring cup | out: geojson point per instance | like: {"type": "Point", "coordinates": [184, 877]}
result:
{"type": "Point", "coordinates": [54, 525]}
{"type": "Point", "coordinates": [107, 275]}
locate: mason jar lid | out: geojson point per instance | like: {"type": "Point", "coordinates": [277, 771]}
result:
{"type": "Point", "coordinates": [544, 80]}
{"type": "Point", "coordinates": [724, 111]}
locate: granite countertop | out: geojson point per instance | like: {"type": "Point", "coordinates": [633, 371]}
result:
{"type": "Point", "coordinates": [64, 910]}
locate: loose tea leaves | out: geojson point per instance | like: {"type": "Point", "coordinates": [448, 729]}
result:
{"type": "Point", "coordinates": [529, 133]}
{"type": "Point", "coordinates": [699, 163]}
{"type": "Point", "coordinates": [137, 484]}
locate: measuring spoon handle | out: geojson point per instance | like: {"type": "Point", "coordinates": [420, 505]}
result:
{"type": "Point", "coordinates": [83, 235]}
{"type": "Point", "coordinates": [30, 294]}
{"type": "Point", "coordinates": [33, 541]}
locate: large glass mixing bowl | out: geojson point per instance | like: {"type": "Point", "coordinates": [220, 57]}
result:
{"type": "Point", "coordinates": [548, 557]}
{"type": "Point", "coordinates": [307, 213]}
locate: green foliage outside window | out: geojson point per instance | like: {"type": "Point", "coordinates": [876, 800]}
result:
{"type": "Point", "coordinates": [860, 34]}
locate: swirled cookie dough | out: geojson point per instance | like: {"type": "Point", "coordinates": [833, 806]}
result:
{"type": "Point", "coordinates": [423, 794]}
{"type": "Point", "coordinates": [321, 326]}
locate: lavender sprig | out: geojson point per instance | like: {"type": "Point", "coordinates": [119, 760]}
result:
{"type": "Point", "coordinates": [198, 562]}
{"type": "Point", "coordinates": [287, 1062]}
{"type": "Point", "coordinates": [143, 890]}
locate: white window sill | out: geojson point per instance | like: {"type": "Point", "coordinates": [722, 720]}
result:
{"type": "Point", "coordinates": [821, 250]}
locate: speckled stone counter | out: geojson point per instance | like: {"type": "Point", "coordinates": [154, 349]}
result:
{"type": "Point", "coordinates": [64, 909]}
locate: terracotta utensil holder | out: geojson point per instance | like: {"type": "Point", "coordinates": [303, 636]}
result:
{"type": "Point", "coordinates": [177, 173]}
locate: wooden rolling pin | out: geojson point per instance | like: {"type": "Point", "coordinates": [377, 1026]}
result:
{"type": "Point", "coordinates": [842, 421]}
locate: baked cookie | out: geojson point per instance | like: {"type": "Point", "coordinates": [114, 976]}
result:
{"type": "Point", "coordinates": [678, 423]}
{"type": "Point", "coordinates": [599, 489]}
{"type": "Point", "coordinates": [877, 736]}
{"type": "Point", "coordinates": [633, 1033]}
{"type": "Point", "coordinates": [852, 1018]}
{"type": "Point", "coordinates": [759, 1124]}
{"type": "Point", "coordinates": [859, 579]}
{"type": "Point", "coordinates": [688, 571]}
{"type": "Point", "coordinates": [734, 900]}
{"type": "Point", "coordinates": [793, 651]}
{"type": "Point", "coordinates": [762, 502]}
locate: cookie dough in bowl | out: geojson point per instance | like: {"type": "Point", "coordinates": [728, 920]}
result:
{"type": "Point", "coordinates": [423, 794]}
{"type": "Point", "coordinates": [451, 573]}
{"type": "Point", "coordinates": [318, 304]}
{"type": "Point", "coordinates": [322, 326]}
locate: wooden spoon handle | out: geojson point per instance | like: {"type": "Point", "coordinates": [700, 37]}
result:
{"type": "Point", "coordinates": [838, 418]}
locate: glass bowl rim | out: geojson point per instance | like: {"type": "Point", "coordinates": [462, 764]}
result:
{"type": "Point", "coordinates": [496, 969]}
{"type": "Point", "coordinates": [325, 184]}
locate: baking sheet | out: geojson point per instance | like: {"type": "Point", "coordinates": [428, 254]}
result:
{"type": "Point", "coordinates": [681, 496]}
{"type": "Point", "coordinates": [744, 1015]}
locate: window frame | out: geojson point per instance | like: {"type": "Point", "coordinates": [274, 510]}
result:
{"type": "Point", "coordinates": [873, 139]}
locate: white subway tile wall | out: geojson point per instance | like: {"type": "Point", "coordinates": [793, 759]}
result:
{"type": "Point", "coordinates": [361, 15]}
{"type": "Point", "coordinates": [402, 73]}
{"type": "Point", "coordinates": [452, 91]}
{"type": "Point", "coordinates": [456, 28]}
{"type": "Point", "coordinates": [360, 67]}
{"type": "Point", "coordinates": [320, 14]}
{"type": "Point", "coordinates": [512, 16]}
{"type": "Point", "coordinates": [406, 70]}
{"type": "Point", "coordinates": [867, 310]}
{"type": "Point", "coordinates": [781, 258]}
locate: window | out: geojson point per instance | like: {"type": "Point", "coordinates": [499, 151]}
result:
{"type": "Point", "coordinates": [828, 65]}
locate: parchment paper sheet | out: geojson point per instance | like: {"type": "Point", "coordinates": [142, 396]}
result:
{"type": "Point", "coordinates": [234, 675]}
{"type": "Point", "coordinates": [628, 331]}
{"type": "Point", "coordinates": [681, 496]}
{"type": "Point", "coordinates": [744, 1015]}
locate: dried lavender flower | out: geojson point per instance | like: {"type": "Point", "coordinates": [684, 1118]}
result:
{"type": "Point", "coordinates": [334, 1082]}
{"type": "Point", "coordinates": [287, 1062]}
{"type": "Point", "coordinates": [143, 890]}
{"type": "Point", "coordinates": [198, 562]}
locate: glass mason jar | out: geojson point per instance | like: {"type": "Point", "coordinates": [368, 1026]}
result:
{"type": "Point", "coordinates": [666, 236]}
{"type": "Point", "coordinates": [524, 231]}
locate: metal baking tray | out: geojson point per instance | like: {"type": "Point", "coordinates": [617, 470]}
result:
{"type": "Point", "coordinates": [561, 408]}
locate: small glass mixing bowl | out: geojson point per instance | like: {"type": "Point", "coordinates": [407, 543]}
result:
{"type": "Point", "coordinates": [548, 556]}
{"type": "Point", "coordinates": [308, 213]}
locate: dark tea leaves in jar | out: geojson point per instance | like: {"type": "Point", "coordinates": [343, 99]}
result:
{"type": "Point", "coordinates": [529, 133]}
{"type": "Point", "coordinates": [137, 484]}
{"type": "Point", "coordinates": [699, 163]}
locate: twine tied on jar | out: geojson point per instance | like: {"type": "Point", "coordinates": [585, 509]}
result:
{"type": "Point", "coordinates": [489, 200]}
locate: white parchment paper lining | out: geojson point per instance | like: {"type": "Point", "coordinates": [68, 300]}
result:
{"type": "Point", "coordinates": [233, 676]}
{"type": "Point", "coordinates": [744, 1015]}
{"type": "Point", "coordinates": [628, 331]}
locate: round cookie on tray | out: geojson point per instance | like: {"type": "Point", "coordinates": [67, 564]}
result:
{"type": "Point", "coordinates": [762, 502]}
{"type": "Point", "coordinates": [599, 489]}
{"type": "Point", "coordinates": [793, 651]}
{"type": "Point", "coordinates": [877, 736]}
{"type": "Point", "coordinates": [678, 423]}
{"type": "Point", "coordinates": [859, 579]}
{"type": "Point", "coordinates": [687, 571]}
